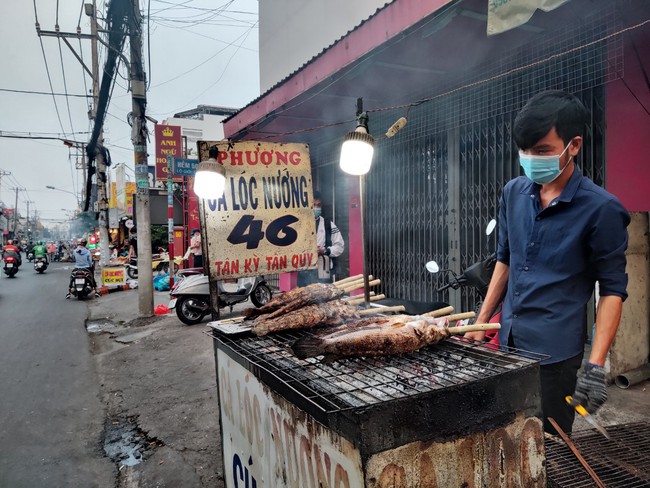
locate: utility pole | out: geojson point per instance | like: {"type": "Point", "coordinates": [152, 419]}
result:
{"type": "Point", "coordinates": [28, 202]}
{"type": "Point", "coordinates": [3, 173]}
{"type": "Point", "coordinates": [102, 200]}
{"type": "Point", "coordinates": [16, 211]}
{"type": "Point", "coordinates": [139, 104]}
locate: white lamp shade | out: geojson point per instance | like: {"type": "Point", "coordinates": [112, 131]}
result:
{"type": "Point", "coordinates": [209, 180]}
{"type": "Point", "coordinates": [356, 157]}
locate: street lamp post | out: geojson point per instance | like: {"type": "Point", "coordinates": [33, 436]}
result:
{"type": "Point", "coordinates": [50, 187]}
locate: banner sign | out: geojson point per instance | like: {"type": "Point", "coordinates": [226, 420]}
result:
{"type": "Point", "coordinates": [269, 443]}
{"type": "Point", "coordinates": [264, 222]}
{"type": "Point", "coordinates": [169, 141]}
{"type": "Point", "coordinates": [113, 276]}
{"type": "Point", "coordinates": [504, 15]}
{"type": "Point", "coordinates": [130, 191]}
{"type": "Point", "coordinates": [120, 189]}
{"type": "Point", "coordinates": [185, 167]}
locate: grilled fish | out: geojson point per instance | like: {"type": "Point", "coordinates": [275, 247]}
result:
{"type": "Point", "coordinates": [374, 337]}
{"type": "Point", "coordinates": [330, 313]}
{"type": "Point", "coordinates": [295, 299]}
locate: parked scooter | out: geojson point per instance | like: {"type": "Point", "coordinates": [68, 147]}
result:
{"type": "Point", "coordinates": [191, 297]}
{"type": "Point", "coordinates": [477, 276]}
{"type": "Point", "coordinates": [158, 264]}
{"type": "Point", "coordinates": [11, 265]}
{"type": "Point", "coordinates": [81, 283]}
{"type": "Point", "coordinates": [40, 264]}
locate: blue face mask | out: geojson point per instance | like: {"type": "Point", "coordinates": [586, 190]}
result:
{"type": "Point", "coordinates": [542, 169]}
{"type": "Point", "coordinates": [317, 212]}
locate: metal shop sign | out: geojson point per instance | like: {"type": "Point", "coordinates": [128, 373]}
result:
{"type": "Point", "coordinates": [168, 142]}
{"type": "Point", "coordinates": [264, 222]}
{"type": "Point", "coordinates": [113, 276]}
{"type": "Point", "coordinates": [269, 443]}
{"type": "Point", "coordinates": [184, 166]}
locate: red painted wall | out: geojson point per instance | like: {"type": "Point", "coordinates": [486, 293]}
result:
{"type": "Point", "coordinates": [628, 129]}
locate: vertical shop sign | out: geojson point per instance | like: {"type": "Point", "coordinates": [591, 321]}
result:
{"type": "Point", "coordinates": [168, 143]}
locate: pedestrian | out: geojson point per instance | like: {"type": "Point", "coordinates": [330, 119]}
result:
{"type": "Point", "coordinates": [51, 251]}
{"type": "Point", "coordinates": [330, 245]}
{"type": "Point", "coordinates": [559, 234]}
{"type": "Point", "coordinates": [195, 247]}
{"type": "Point", "coordinates": [133, 246]}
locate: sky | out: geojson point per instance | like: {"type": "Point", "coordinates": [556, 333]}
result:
{"type": "Point", "coordinates": [201, 52]}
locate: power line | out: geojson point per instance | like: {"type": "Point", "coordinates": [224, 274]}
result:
{"type": "Point", "coordinates": [32, 92]}
{"type": "Point", "coordinates": [220, 76]}
{"type": "Point", "coordinates": [244, 35]}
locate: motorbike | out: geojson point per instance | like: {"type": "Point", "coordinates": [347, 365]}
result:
{"type": "Point", "coordinates": [30, 256]}
{"type": "Point", "coordinates": [81, 283]}
{"type": "Point", "coordinates": [158, 264]}
{"type": "Point", "coordinates": [11, 265]}
{"type": "Point", "coordinates": [191, 296]}
{"type": "Point", "coordinates": [40, 264]}
{"type": "Point", "coordinates": [476, 276]}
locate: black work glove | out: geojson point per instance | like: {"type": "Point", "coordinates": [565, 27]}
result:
{"type": "Point", "coordinates": [591, 389]}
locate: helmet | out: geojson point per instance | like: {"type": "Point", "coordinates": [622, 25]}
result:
{"type": "Point", "coordinates": [39, 243]}
{"type": "Point", "coordinates": [9, 242]}
{"type": "Point", "coordinates": [83, 242]}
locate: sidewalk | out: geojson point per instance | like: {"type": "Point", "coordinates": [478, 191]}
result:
{"type": "Point", "coordinates": [159, 388]}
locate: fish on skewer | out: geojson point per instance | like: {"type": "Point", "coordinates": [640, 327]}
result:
{"type": "Point", "coordinates": [295, 299]}
{"type": "Point", "coordinates": [331, 313]}
{"type": "Point", "coordinates": [380, 337]}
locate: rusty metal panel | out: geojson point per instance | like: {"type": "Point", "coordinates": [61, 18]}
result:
{"type": "Point", "coordinates": [264, 222]}
{"type": "Point", "coordinates": [511, 456]}
{"type": "Point", "coordinates": [269, 443]}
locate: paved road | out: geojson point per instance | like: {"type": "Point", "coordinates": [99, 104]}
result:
{"type": "Point", "coordinates": [51, 417]}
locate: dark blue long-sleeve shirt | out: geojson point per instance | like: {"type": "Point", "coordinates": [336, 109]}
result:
{"type": "Point", "coordinates": [555, 256]}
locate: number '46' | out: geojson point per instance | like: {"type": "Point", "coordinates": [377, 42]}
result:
{"type": "Point", "coordinates": [249, 230]}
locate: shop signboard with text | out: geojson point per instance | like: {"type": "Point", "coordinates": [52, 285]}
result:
{"type": "Point", "coordinates": [169, 142]}
{"type": "Point", "coordinates": [269, 443]}
{"type": "Point", "coordinates": [113, 276]}
{"type": "Point", "coordinates": [264, 222]}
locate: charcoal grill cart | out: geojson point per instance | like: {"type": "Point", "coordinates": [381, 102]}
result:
{"type": "Point", "coordinates": [450, 415]}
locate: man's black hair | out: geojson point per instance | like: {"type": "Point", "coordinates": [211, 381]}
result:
{"type": "Point", "coordinates": [548, 109]}
{"type": "Point", "coordinates": [316, 195]}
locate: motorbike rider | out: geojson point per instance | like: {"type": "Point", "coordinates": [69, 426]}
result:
{"type": "Point", "coordinates": [12, 250]}
{"type": "Point", "coordinates": [83, 260]}
{"type": "Point", "coordinates": [30, 247]}
{"type": "Point", "coordinates": [39, 250]}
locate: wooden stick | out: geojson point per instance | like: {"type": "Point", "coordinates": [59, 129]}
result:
{"type": "Point", "coordinates": [355, 298]}
{"type": "Point", "coordinates": [373, 298]}
{"type": "Point", "coordinates": [370, 311]}
{"type": "Point", "coordinates": [473, 328]}
{"type": "Point", "coordinates": [354, 281]}
{"type": "Point", "coordinates": [348, 279]}
{"type": "Point", "coordinates": [358, 286]}
{"type": "Point", "coordinates": [439, 312]}
{"type": "Point", "coordinates": [459, 316]}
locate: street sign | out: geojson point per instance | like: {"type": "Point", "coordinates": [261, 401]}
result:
{"type": "Point", "coordinates": [185, 167]}
{"type": "Point", "coordinates": [128, 224]}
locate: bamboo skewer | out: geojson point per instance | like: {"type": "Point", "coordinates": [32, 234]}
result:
{"type": "Point", "coordinates": [353, 298]}
{"type": "Point", "coordinates": [348, 279]}
{"type": "Point", "coordinates": [359, 285]}
{"type": "Point", "coordinates": [459, 316]}
{"type": "Point", "coordinates": [439, 312]}
{"type": "Point", "coordinates": [473, 328]}
{"type": "Point", "coordinates": [373, 298]}
{"type": "Point", "coordinates": [370, 311]}
{"type": "Point", "coordinates": [353, 281]}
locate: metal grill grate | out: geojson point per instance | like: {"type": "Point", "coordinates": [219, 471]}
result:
{"type": "Point", "coordinates": [622, 461]}
{"type": "Point", "coordinates": [361, 382]}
